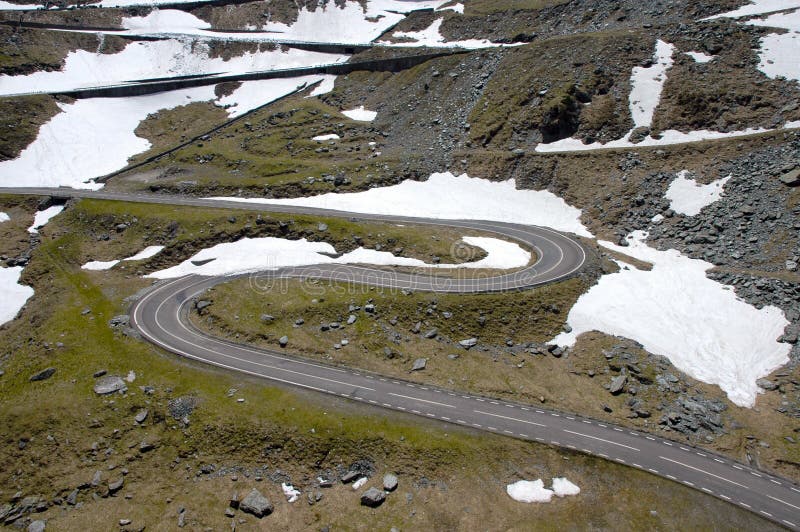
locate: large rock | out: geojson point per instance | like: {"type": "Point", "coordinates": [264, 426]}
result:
{"type": "Point", "coordinates": [469, 342]}
{"type": "Point", "coordinates": [373, 497]}
{"type": "Point", "coordinates": [792, 178]}
{"type": "Point", "coordinates": [389, 482]}
{"type": "Point", "coordinates": [36, 526]}
{"type": "Point", "coordinates": [617, 384]}
{"type": "Point", "coordinates": [43, 375]}
{"type": "Point", "coordinates": [255, 503]}
{"type": "Point", "coordinates": [419, 364]}
{"type": "Point", "coordinates": [109, 384]}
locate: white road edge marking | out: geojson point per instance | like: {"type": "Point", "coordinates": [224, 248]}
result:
{"type": "Point", "coordinates": [601, 439]}
{"type": "Point", "coordinates": [704, 472]}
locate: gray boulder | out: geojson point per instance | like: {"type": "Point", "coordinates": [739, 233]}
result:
{"type": "Point", "coordinates": [617, 384]}
{"type": "Point", "coordinates": [433, 333]}
{"type": "Point", "coordinates": [766, 384]}
{"type": "Point", "coordinates": [43, 375]}
{"type": "Point", "coordinates": [36, 526]}
{"type": "Point", "coordinates": [419, 364]}
{"type": "Point", "coordinates": [255, 503]}
{"type": "Point", "coordinates": [110, 384]}
{"type": "Point", "coordinates": [283, 341]}
{"type": "Point", "coordinates": [469, 342]}
{"type": "Point", "coordinates": [373, 498]}
{"type": "Point", "coordinates": [389, 482]}
{"type": "Point", "coordinates": [141, 415]}
{"type": "Point", "coordinates": [792, 178]}
{"type": "Point", "coordinates": [351, 319]}
{"type": "Point", "coordinates": [267, 318]}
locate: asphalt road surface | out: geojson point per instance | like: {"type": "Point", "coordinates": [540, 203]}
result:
{"type": "Point", "coordinates": [161, 314]}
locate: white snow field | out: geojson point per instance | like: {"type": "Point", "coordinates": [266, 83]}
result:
{"type": "Point", "coordinates": [12, 294]}
{"type": "Point", "coordinates": [780, 52]}
{"type": "Point", "coordinates": [155, 59]}
{"type": "Point", "coordinates": [360, 114]}
{"type": "Point", "coordinates": [688, 197]}
{"type": "Point", "coordinates": [4, 217]}
{"type": "Point", "coordinates": [146, 253]}
{"type": "Point", "coordinates": [349, 24]}
{"type": "Point", "coordinates": [269, 253]}
{"type": "Point", "coordinates": [647, 84]}
{"type": "Point", "coordinates": [758, 7]}
{"type": "Point", "coordinates": [81, 143]}
{"type": "Point", "coordinates": [529, 491]}
{"type": "Point", "coordinates": [446, 196]}
{"type": "Point", "coordinates": [329, 136]}
{"type": "Point", "coordinates": [103, 3]}
{"type": "Point", "coordinates": [42, 217]}
{"type": "Point", "coordinates": [563, 487]}
{"type": "Point", "coordinates": [433, 38]}
{"type": "Point", "coordinates": [674, 310]}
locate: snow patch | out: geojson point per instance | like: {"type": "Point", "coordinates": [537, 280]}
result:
{"type": "Point", "coordinates": [779, 53]}
{"type": "Point", "coordinates": [674, 310]}
{"type": "Point", "coordinates": [269, 253]}
{"type": "Point", "coordinates": [290, 492]}
{"type": "Point", "coordinates": [360, 114]}
{"type": "Point", "coordinates": [12, 294]}
{"type": "Point", "coordinates": [4, 217]}
{"type": "Point", "coordinates": [647, 84]}
{"type": "Point", "coordinates": [146, 253]}
{"type": "Point", "coordinates": [433, 38]}
{"type": "Point", "coordinates": [563, 487]}
{"type": "Point", "coordinates": [98, 265]}
{"type": "Point", "coordinates": [758, 7]}
{"type": "Point", "coordinates": [688, 197]}
{"type": "Point", "coordinates": [42, 217]}
{"type": "Point", "coordinates": [529, 491]}
{"type": "Point", "coordinates": [329, 136]}
{"type": "Point", "coordinates": [448, 197]}
{"type": "Point", "coordinates": [700, 57]}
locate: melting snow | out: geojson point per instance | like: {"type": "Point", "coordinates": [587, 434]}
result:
{"type": "Point", "coordinates": [529, 491]}
{"type": "Point", "coordinates": [779, 53]}
{"type": "Point", "coordinates": [647, 83]}
{"type": "Point", "coordinates": [446, 196]}
{"type": "Point", "coordinates": [700, 57]}
{"type": "Point", "coordinates": [688, 197]}
{"type": "Point", "coordinates": [291, 493]}
{"type": "Point", "coordinates": [146, 253]}
{"type": "Point", "coordinates": [80, 143]}
{"type": "Point", "coordinates": [12, 294]}
{"type": "Point", "coordinates": [42, 217]}
{"type": "Point", "coordinates": [4, 217]}
{"type": "Point", "coordinates": [674, 310]}
{"type": "Point", "coordinates": [269, 253]}
{"type": "Point", "coordinates": [758, 7]}
{"type": "Point", "coordinates": [360, 114]}
{"type": "Point", "coordinates": [563, 487]}
{"type": "Point", "coordinates": [155, 59]}
{"type": "Point", "coordinates": [329, 136]}
{"type": "Point", "coordinates": [433, 38]}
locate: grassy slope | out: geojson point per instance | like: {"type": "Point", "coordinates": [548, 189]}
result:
{"type": "Point", "coordinates": [71, 433]}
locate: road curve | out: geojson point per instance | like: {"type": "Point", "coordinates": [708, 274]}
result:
{"type": "Point", "coordinates": [161, 316]}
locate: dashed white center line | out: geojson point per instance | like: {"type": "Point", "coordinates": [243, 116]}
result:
{"type": "Point", "coordinates": [509, 418]}
{"type": "Point", "coordinates": [718, 460]}
{"type": "Point", "coordinates": [745, 504]}
{"type": "Point", "coordinates": [707, 490]}
{"type": "Point", "coordinates": [755, 474]}
{"type": "Point", "coordinates": [702, 471]}
{"type": "Point", "coordinates": [738, 467]}
{"type": "Point", "coordinates": [422, 400]}
{"type": "Point", "coordinates": [766, 513]}
{"type": "Point", "coordinates": [783, 502]}
{"type": "Point", "coordinates": [788, 523]}
{"type": "Point", "coordinates": [601, 439]}
{"type": "Point", "coordinates": [776, 482]}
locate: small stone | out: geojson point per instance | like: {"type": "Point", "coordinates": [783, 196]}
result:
{"type": "Point", "coordinates": [389, 482]}
{"type": "Point", "coordinates": [99, 373]}
{"type": "Point", "coordinates": [115, 486]}
{"type": "Point", "coordinates": [255, 503]}
{"type": "Point", "coordinates": [419, 364]}
{"type": "Point", "coordinates": [617, 384]}
{"type": "Point", "coordinates": [267, 318]}
{"type": "Point", "coordinates": [373, 498]}
{"type": "Point", "coordinates": [110, 384]}
{"type": "Point", "coordinates": [230, 512]}
{"type": "Point", "coordinates": [349, 477]}
{"type": "Point", "coordinates": [146, 447]}
{"type": "Point", "coordinates": [468, 343]}
{"type": "Point", "coordinates": [283, 341]}
{"type": "Point", "coordinates": [351, 319]}
{"type": "Point", "coordinates": [433, 333]}
{"type": "Point", "coordinates": [43, 375]}
{"type": "Point", "coordinates": [141, 415]}
{"type": "Point", "coordinates": [124, 522]}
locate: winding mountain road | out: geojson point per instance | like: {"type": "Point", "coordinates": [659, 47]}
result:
{"type": "Point", "coordinates": [161, 316]}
